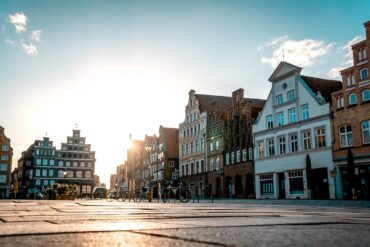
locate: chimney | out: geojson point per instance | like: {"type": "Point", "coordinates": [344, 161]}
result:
{"type": "Point", "coordinates": [367, 29]}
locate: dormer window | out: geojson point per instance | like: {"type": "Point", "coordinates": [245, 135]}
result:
{"type": "Point", "coordinates": [364, 73]}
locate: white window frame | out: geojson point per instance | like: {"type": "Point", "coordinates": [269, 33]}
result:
{"type": "Point", "coordinates": [305, 112]}
{"type": "Point", "coordinates": [366, 97]}
{"type": "Point", "coordinates": [345, 136]}
{"type": "Point", "coordinates": [365, 129]}
{"type": "Point", "coordinates": [292, 115]}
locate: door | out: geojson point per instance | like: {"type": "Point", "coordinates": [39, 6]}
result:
{"type": "Point", "coordinates": [281, 180]}
{"type": "Point", "coordinates": [320, 183]}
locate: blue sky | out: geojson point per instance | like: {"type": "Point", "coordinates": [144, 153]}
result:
{"type": "Point", "coordinates": [120, 67]}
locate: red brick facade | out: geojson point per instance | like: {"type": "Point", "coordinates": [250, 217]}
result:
{"type": "Point", "coordinates": [351, 115]}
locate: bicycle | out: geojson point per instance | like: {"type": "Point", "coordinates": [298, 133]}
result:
{"type": "Point", "coordinates": [114, 196]}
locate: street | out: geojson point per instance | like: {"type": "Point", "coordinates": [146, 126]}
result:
{"type": "Point", "coordinates": [222, 223]}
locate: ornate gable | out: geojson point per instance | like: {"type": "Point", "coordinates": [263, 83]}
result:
{"type": "Point", "coordinates": [284, 70]}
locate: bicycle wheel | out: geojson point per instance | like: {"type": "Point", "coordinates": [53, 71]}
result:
{"type": "Point", "coordinates": [111, 197]}
{"type": "Point", "coordinates": [185, 195]}
{"type": "Point", "coordinates": [137, 196]}
{"type": "Point", "coordinates": [166, 196]}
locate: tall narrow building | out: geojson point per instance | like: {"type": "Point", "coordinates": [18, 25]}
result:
{"type": "Point", "coordinates": [76, 163]}
{"type": "Point", "coordinates": [6, 155]}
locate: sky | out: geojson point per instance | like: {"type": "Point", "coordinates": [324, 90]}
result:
{"type": "Point", "coordinates": [121, 67]}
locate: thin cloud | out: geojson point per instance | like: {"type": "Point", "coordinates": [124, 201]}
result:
{"type": "Point", "coordinates": [36, 35]}
{"type": "Point", "coordinates": [348, 49]}
{"type": "Point", "coordinates": [334, 73]}
{"type": "Point", "coordinates": [299, 52]}
{"type": "Point", "coordinates": [19, 20]}
{"type": "Point", "coordinates": [30, 49]}
{"type": "Point", "coordinates": [10, 42]}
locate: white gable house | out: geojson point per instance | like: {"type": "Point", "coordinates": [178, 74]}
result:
{"type": "Point", "coordinates": [293, 134]}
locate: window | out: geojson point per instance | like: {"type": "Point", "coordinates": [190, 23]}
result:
{"type": "Point", "coordinates": [238, 156]}
{"type": "Point", "coordinates": [171, 163]}
{"type": "Point", "coordinates": [217, 163]}
{"type": "Point", "coordinates": [340, 102]}
{"type": "Point", "coordinates": [79, 174]}
{"type": "Point", "coordinates": [60, 174]}
{"type": "Point", "coordinates": [366, 131]}
{"type": "Point", "coordinates": [352, 99]}
{"type": "Point", "coordinates": [282, 145]}
{"type": "Point", "coordinates": [87, 174]}
{"type": "Point", "coordinates": [197, 145]}
{"type": "Point", "coordinates": [45, 162]}
{"type": "Point", "coordinates": [211, 164]}
{"type": "Point", "coordinates": [182, 150]}
{"type": "Point", "coordinates": [75, 164]}
{"type": "Point", "coordinates": [46, 182]}
{"type": "Point", "coordinates": [38, 182]}
{"type": "Point", "coordinates": [44, 173]}
{"type": "Point", "coordinates": [293, 139]}
{"type": "Point", "coordinates": [320, 137]}
{"type": "Point", "coordinates": [304, 112]}
{"type": "Point", "coordinates": [271, 147]}
{"type": "Point", "coordinates": [279, 99]}
{"type": "Point", "coordinates": [244, 154]}
{"type": "Point", "coordinates": [291, 95]}
{"type": "Point", "coordinates": [175, 176]}
{"type": "Point", "coordinates": [68, 163]}
{"type": "Point", "coordinates": [280, 119]}
{"type": "Point", "coordinates": [3, 179]}
{"type": "Point", "coordinates": [4, 157]}
{"type": "Point", "coordinates": [360, 55]}
{"type": "Point", "coordinates": [60, 163]}
{"type": "Point", "coordinates": [232, 158]}
{"type": "Point", "coordinates": [267, 184]}
{"type": "Point", "coordinates": [364, 73]}
{"type": "Point", "coordinates": [3, 167]}
{"type": "Point", "coordinates": [307, 140]}
{"type": "Point", "coordinates": [191, 147]}
{"type": "Point", "coordinates": [292, 115]}
{"type": "Point", "coordinates": [37, 174]}
{"type": "Point", "coordinates": [269, 122]}
{"type": "Point", "coordinates": [250, 153]}
{"type": "Point", "coordinates": [51, 162]}
{"type": "Point", "coordinates": [51, 173]}
{"type": "Point", "coordinates": [202, 143]}
{"type": "Point", "coordinates": [260, 149]}
{"type": "Point", "coordinates": [366, 95]}
{"type": "Point", "coordinates": [217, 145]}
{"type": "Point", "coordinates": [296, 182]}
{"type": "Point", "coordinates": [5, 148]}
{"type": "Point", "coordinates": [211, 146]}
{"type": "Point", "coordinates": [345, 135]}
{"type": "Point", "coordinates": [364, 55]}
{"type": "Point", "coordinates": [350, 80]}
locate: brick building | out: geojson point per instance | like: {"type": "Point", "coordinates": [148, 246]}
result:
{"type": "Point", "coordinates": [351, 123]}
{"type": "Point", "coordinates": [6, 155]}
{"type": "Point", "coordinates": [238, 162]}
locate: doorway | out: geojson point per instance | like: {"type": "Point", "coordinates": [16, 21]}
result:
{"type": "Point", "coordinates": [320, 183]}
{"type": "Point", "coordinates": [281, 179]}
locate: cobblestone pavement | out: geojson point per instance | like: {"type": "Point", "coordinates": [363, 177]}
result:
{"type": "Point", "coordinates": [222, 223]}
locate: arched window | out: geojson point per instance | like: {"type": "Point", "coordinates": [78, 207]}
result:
{"type": "Point", "coordinates": [366, 95]}
{"type": "Point", "coordinates": [364, 55]}
{"type": "Point", "coordinates": [345, 134]}
{"type": "Point", "coordinates": [364, 73]}
{"type": "Point", "coordinates": [352, 99]}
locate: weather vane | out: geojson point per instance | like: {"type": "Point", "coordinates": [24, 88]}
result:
{"type": "Point", "coordinates": [76, 126]}
{"type": "Point", "coordinates": [46, 134]}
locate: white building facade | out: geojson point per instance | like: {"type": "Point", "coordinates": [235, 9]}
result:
{"type": "Point", "coordinates": [294, 126]}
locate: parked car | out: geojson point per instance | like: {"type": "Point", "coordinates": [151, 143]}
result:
{"type": "Point", "coordinates": [99, 193]}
